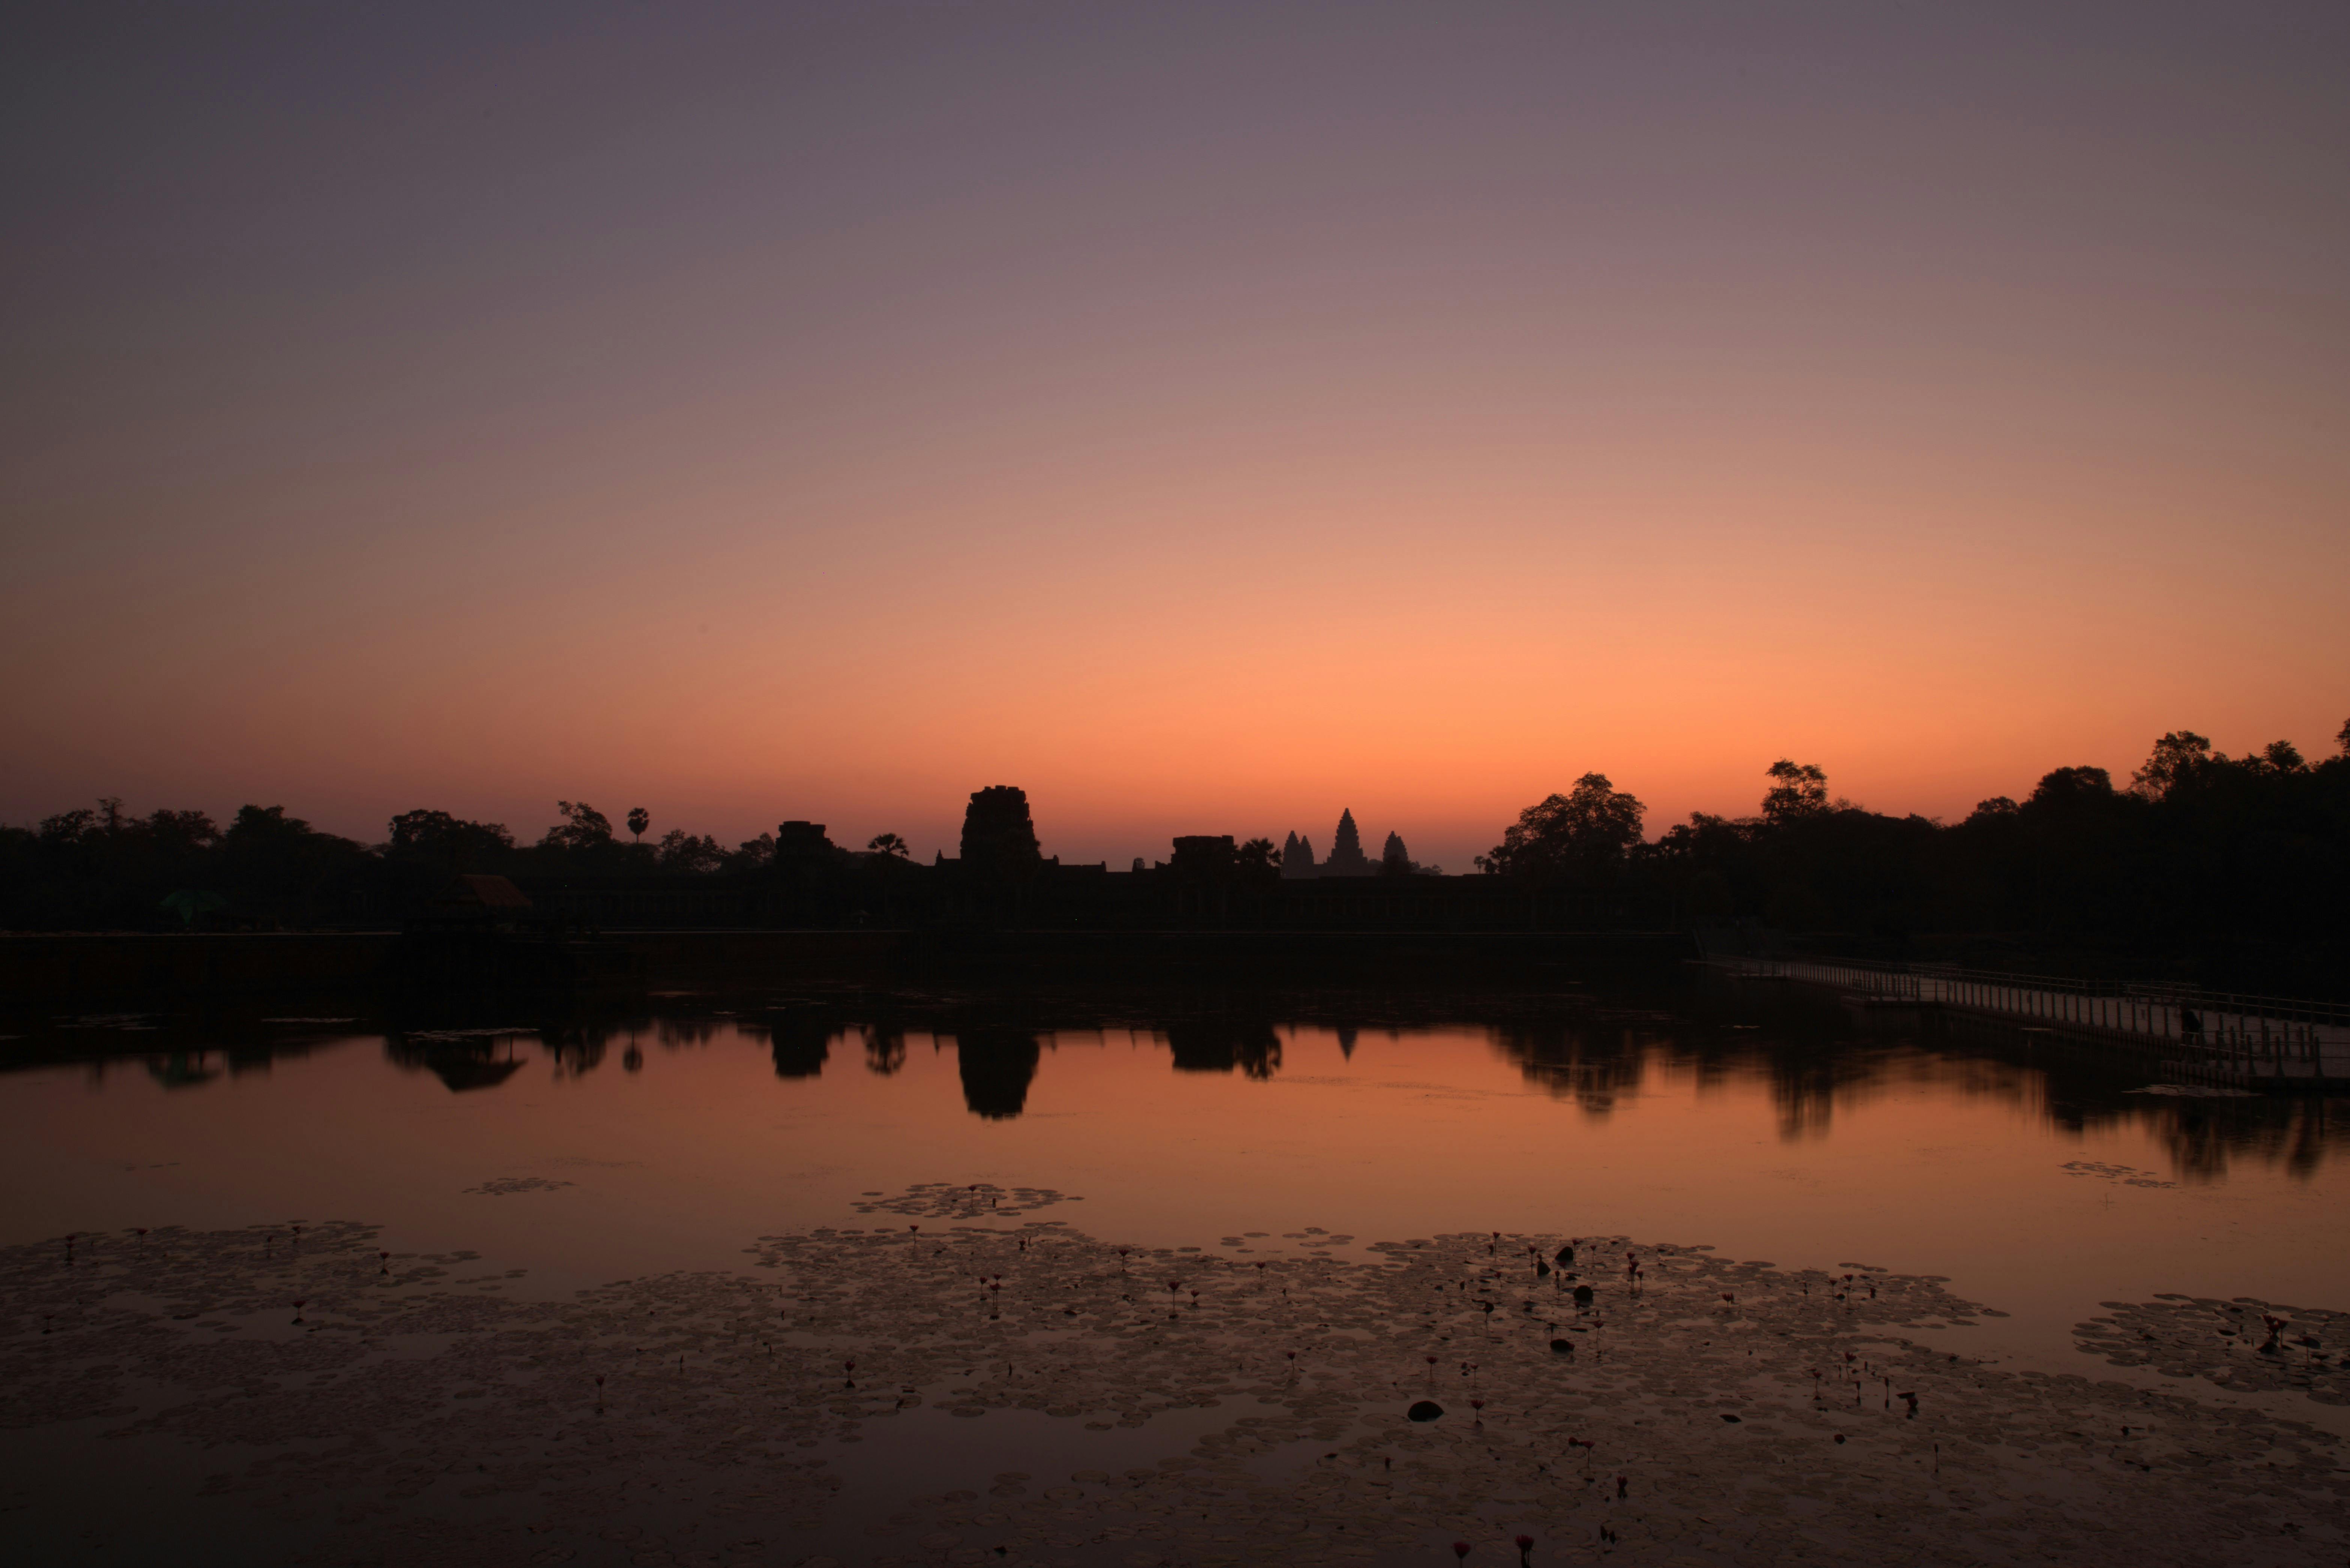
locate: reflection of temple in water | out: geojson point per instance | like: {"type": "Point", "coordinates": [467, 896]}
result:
{"type": "Point", "coordinates": [997, 1066]}
{"type": "Point", "coordinates": [461, 1063]}
{"type": "Point", "coordinates": [801, 1042]}
{"type": "Point", "coordinates": [1808, 1058]}
{"type": "Point", "coordinates": [1220, 1045]}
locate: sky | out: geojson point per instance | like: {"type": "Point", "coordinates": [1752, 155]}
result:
{"type": "Point", "coordinates": [1204, 417]}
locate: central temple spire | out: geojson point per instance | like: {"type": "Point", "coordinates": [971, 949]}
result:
{"type": "Point", "coordinates": [1346, 856]}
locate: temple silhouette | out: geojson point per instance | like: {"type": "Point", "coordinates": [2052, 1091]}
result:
{"type": "Point", "coordinates": [1346, 856]}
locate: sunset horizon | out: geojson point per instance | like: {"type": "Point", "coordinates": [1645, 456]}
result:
{"type": "Point", "coordinates": [932, 823]}
{"type": "Point", "coordinates": [1204, 426]}
{"type": "Point", "coordinates": [1021, 784]}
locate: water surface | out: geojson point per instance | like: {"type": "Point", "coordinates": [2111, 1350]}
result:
{"type": "Point", "coordinates": [1767, 1126]}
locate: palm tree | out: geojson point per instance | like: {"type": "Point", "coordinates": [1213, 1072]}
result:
{"type": "Point", "coordinates": [638, 820]}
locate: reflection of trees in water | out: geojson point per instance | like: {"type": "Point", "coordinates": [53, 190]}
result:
{"type": "Point", "coordinates": [248, 1056]}
{"type": "Point", "coordinates": [997, 1064]}
{"type": "Point", "coordinates": [675, 1033]}
{"type": "Point", "coordinates": [1219, 1044]}
{"type": "Point", "coordinates": [2077, 1087]}
{"type": "Point", "coordinates": [1816, 1057]}
{"type": "Point", "coordinates": [182, 1069]}
{"type": "Point", "coordinates": [1803, 1088]}
{"type": "Point", "coordinates": [2086, 1088]}
{"type": "Point", "coordinates": [2202, 1136]}
{"type": "Point", "coordinates": [575, 1051]}
{"type": "Point", "coordinates": [1811, 1072]}
{"type": "Point", "coordinates": [1812, 1080]}
{"type": "Point", "coordinates": [1573, 1060]}
{"type": "Point", "coordinates": [885, 1049]}
{"type": "Point", "coordinates": [2311, 1128]}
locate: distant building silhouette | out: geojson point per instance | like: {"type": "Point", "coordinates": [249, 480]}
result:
{"type": "Point", "coordinates": [1203, 855]}
{"type": "Point", "coordinates": [1298, 859]}
{"type": "Point", "coordinates": [1346, 856]}
{"type": "Point", "coordinates": [1395, 860]}
{"type": "Point", "coordinates": [801, 839]}
{"type": "Point", "coordinates": [998, 838]}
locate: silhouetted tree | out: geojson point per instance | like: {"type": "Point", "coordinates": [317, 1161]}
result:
{"type": "Point", "coordinates": [447, 844]}
{"type": "Point", "coordinates": [1799, 789]}
{"type": "Point", "coordinates": [889, 845]}
{"type": "Point", "coordinates": [1256, 860]}
{"type": "Point", "coordinates": [2072, 788]}
{"type": "Point", "coordinates": [752, 854]}
{"type": "Point", "coordinates": [69, 826]}
{"type": "Point", "coordinates": [282, 869]}
{"type": "Point", "coordinates": [638, 820]}
{"type": "Point", "coordinates": [2178, 758]}
{"type": "Point", "coordinates": [583, 828]}
{"type": "Point", "coordinates": [2277, 757]}
{"type": "Point", "coordinates": [1585, 832]}
{"type": "Point", "coordinates": [681, 851]}
{"type": "Point", "coordinates": [263, 830]}
{"type": "Point", "coordinates": [107, 868]}
{"type": "Point", "coordinates": [182, 831]}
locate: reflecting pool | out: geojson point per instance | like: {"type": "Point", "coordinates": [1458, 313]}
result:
{"type": "Point", "coordinates": [1769, 1124]}
{"type": "Point", "coordinates": [1721, 1274]}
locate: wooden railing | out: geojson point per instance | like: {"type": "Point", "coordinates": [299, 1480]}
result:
{"type": "Point", "coordinates": [2251, 1037]}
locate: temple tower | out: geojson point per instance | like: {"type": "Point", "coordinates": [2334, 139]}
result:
{"type": "Point", "coordinates": [1298, 859]}
{"type": "Point", "coordinates": [1346, 856]}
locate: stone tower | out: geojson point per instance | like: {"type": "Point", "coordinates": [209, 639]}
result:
{"type": "Point", "coordinates": [999, 842]}
{"type": "Point", "coordinates": [1395, 859]}
{"type": "Point", "coordinates": [1346, 856]}
{"type": "Point", "coordinates": [1298, 859]}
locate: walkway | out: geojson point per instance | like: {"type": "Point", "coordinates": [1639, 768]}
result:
{"type": "Point", "coordinates": [2214, 1036]}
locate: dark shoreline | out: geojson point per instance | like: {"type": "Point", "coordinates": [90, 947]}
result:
{"type": "Point", "coordinates": [121, 969]}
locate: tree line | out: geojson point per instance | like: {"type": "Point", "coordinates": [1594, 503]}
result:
{"type": "Point", "coordinates": [2227, 870]}
{"type": "Point", "coordinates": [103, 868]}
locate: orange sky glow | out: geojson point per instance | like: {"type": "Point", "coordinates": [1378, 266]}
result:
{"type": "Point", "coordinates": [1205, 421]}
